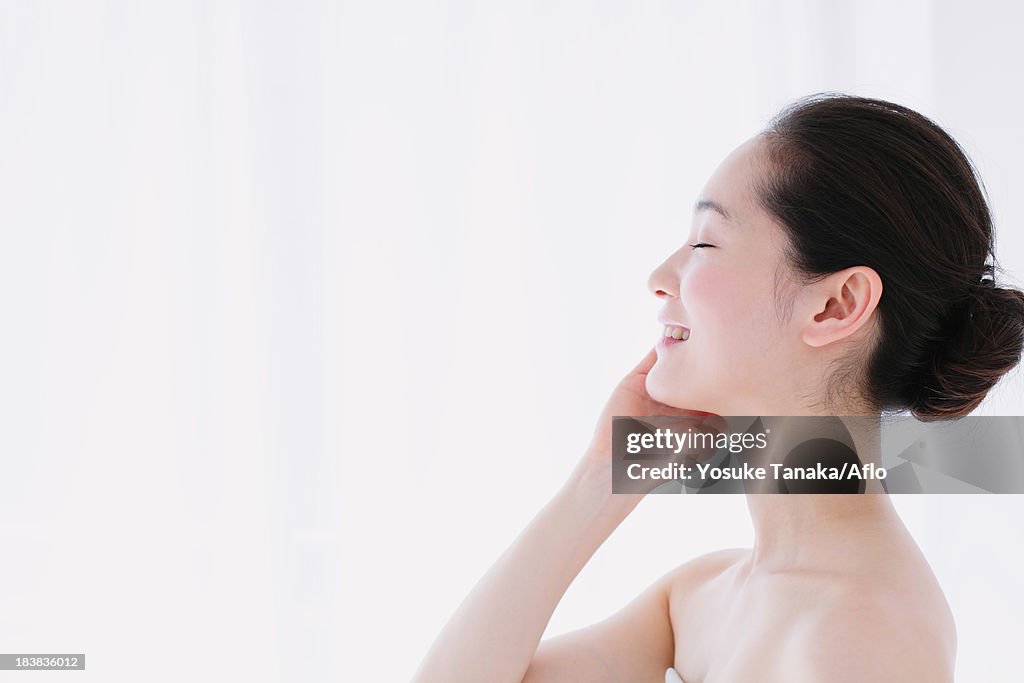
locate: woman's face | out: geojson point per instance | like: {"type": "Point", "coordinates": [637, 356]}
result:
{"type": "Point", "coordinates": [740, 357]}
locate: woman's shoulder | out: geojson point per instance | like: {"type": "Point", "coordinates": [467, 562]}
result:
{"type": "Point", "coordinates": [896, 587]}
{"type": "Point", "coordinates": [908, 601]}
{"type": "Point", "coordinates": [712, 563]}
{"type": "Point", "coordinates": [889, 605]}
{"type": "Point", "coordinates": [874, 631]}
{"type": "Point", "coordinates": [698, 572]}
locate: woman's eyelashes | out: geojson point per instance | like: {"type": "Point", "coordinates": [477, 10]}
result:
{"type": "Point", "coordinates": [701, 245]}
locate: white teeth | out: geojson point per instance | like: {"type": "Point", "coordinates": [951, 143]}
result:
{"type": "Point", "coordinates": [676, 332]}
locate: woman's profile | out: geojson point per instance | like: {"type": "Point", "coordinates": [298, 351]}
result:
{"type": "Point", "coordinates": [840, 262]}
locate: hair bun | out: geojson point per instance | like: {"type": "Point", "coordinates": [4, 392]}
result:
{"type": "Point", "coordinates": [982, 346]}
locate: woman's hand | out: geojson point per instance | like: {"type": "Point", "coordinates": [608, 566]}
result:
{"type": "Point", "coordinates": [630, 398]}
{"type": "Point", "coordinates": [494, 634]}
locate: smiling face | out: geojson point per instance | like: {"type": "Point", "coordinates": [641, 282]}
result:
{"type": "Point", "coordinates": [739, 355]}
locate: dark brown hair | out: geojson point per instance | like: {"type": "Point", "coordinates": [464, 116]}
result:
{"type": "Point", "coordinates": [859, 181]}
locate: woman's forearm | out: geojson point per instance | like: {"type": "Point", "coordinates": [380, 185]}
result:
{"type": "Point", "coordinates": [496, 630]}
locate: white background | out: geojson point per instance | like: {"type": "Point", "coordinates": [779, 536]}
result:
{"type": "Point", "coordinates": [310, 306]}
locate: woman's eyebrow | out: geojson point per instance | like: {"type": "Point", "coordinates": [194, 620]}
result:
{"type": "Point", "coordinates": [704, 204]}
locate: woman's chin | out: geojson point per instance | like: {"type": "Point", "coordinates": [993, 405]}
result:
{"type": "Point", "coordinates": [667, 392]}
{"type": "Point", "coordinates": [655, 385]}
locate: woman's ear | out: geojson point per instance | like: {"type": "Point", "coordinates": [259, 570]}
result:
{"type": "Point", "coordinates": [839, 305]}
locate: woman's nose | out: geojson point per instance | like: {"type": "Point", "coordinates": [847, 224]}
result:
{"type": "Point", "coordinates": [663, 282]}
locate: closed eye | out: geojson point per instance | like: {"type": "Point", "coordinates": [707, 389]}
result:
{"type": "Point", "coordinates": [701, 245]}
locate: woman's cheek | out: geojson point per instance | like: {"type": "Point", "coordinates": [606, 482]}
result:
{"type": "Point", "coordinates": [705, 295]}
{"type": "Point", "coordinates": [719, 308]}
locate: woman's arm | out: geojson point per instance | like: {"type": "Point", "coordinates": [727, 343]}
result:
{"type": "Point", "coordinates": [495, 633]}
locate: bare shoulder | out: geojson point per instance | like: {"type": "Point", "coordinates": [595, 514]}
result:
{"type": "Point", "coordinates": [876, 635]}
{"type": "Point", "coordinates": [694, 574]}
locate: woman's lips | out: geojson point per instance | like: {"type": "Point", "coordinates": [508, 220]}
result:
{"type": "Point", "coordinates": [673, 333]}
{"type": "Point", "coordinates": [677, 332]}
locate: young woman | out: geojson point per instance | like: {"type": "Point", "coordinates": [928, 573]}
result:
{"type": "Point", "coordinates": [840, 263]}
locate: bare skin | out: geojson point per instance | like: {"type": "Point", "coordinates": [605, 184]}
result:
{"type": "Point", "coordinates": [854, 601]}
{"type": "Point", "coordinates": [834, 589]}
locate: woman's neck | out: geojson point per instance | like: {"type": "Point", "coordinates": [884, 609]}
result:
{"type": "Point", "coordinates": [810, 530]}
